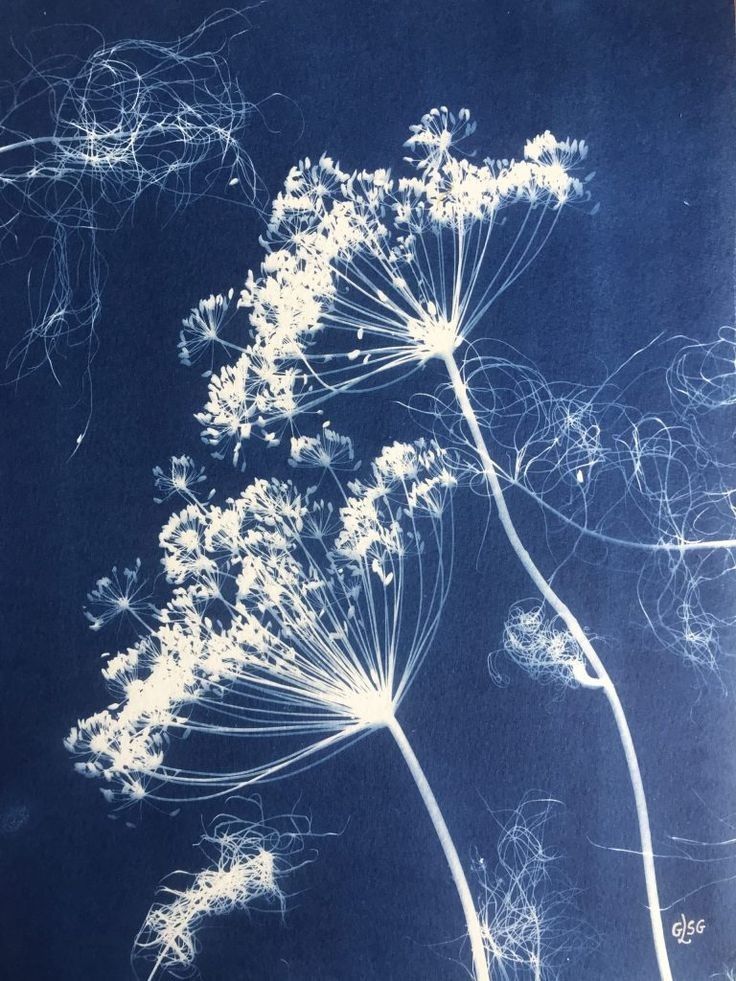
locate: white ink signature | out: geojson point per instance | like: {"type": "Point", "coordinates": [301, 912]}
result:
{"type": "Point", "coordinates": [683, 930]}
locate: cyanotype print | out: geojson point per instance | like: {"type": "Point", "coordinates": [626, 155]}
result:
{"type": "Point", "coordinates": [445, 461]}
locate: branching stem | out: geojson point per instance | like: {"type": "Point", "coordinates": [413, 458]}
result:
{"type": "Point", "coordinates": [597, 666]}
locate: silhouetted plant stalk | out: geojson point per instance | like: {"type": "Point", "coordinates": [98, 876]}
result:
{"type": "Point", "coordinates": [600, 678]}
{"type": "Point", "coordinates": [366, 279]}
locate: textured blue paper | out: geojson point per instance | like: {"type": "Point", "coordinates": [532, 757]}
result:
{"type": "Point", "coordinates": [649, 87]}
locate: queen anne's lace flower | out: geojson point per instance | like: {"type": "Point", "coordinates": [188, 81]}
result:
{"type": "Point", "coordinates": [288, 618]}
{"type": "Point", "coordinates": [327, 450]}
{"type": "Point", "coordinates": [117, 595]}
{"type": "Point", "coordinates": [365, 273]}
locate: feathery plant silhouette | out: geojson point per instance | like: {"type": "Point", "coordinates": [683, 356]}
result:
{"type": "Point", "coordinates": [527, 928]}
{"type": "Point", "coordinates": [82, 140]}
{"type": "Point", "coordinates": [291, 618]}
{"type": "Point", "coordinates": [368, 277]}
{"type": "Point", "coordinates": [249, 860]}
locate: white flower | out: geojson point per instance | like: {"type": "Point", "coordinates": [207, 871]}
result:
{"type": "Point", "coordinates": [556, 158]}
{"type": "Point", "coordinates": [366, 274]}
{"type": "Point", "coordinates": [182, 478]}
{"type": "Point", "coordinates": [242, 396]}
{"type": "Point", "coordinates": [288, 617]}
{"type": "Point", "coordinates": [117, 595]}
{"type": "Point", "coordinates": [202, 328]}
{"type": "Point", "coordinates": [183, 540]}
{"type": "Point", "coordinates": [328, 450]}
{"type": "Point", "coordinates": [365, 531]}
{"type": "Point", "coordinates": [438, 132]}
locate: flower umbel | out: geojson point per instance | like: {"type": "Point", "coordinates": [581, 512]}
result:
{"type": "Point", "coordinates": [182, 479]}
{"type": "Point", "coordinates": [366, 272]}
{"type": "Point", "coordinates": [116, 596]}
{"type": "Point", "coordinates": [272, 630]}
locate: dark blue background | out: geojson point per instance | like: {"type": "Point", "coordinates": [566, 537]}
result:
{"type": "Point", "coordinates": [648, 85]}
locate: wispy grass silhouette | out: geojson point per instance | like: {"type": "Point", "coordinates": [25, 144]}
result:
{"type": "Point", "coordinates": [249, 861]}
{"type": "Point", "coordinates": [82, 139]}
{"type": "Point", "coordinates": [530, 923]}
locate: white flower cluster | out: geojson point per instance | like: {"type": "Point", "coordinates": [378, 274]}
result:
{"type": "Point", "coordinates": [366, 272]}
{"type": "Point", "coordinates": [116, 596]}
{"type": "Point", "coordinates": [439, 130]}
{"type": "Point", "coordinates": [285, 618]}
{"type": "Point", "coordinates": [202, 328]}
{"type": "Point", "coordinates": [181, 479]}
{"type": "Point", "coordinates": [328, 450]}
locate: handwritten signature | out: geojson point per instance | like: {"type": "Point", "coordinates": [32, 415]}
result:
{"type": "Point", "coordinates": [683, 930]}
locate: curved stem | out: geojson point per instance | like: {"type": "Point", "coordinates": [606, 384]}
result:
{"type": "Point", "coordinates": [453, 859]}
{"type": "Point", "coordinates": [602, 676]}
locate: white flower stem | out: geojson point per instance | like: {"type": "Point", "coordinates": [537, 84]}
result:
{"type": "Point", "coordinates": [158, 963]}
{"type": "Point", "coordinates": [606, 684]}
{"type": "Point", "coordinates": [453, 860]}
